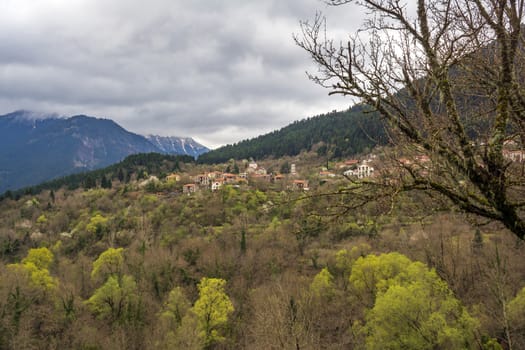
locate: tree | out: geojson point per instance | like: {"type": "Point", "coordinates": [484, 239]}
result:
{"type": "Point", "coordinates": [410, 306]}
{"type": "Point", "coordinates": [40, 257]}
{"type": "Point", "coordinates": [176, 307]}
{"type": "Point", "coordinates": [109, 263]}
{"type": "Point", "coordinates": [105, 182]}
{"type": "Point", "coordinates": [419, 316]}
{"type": "Point", "coordinates": [447, 79]}
{"type": "Point", "coordinates": [175, 312]}
{"type": "Point", "coordinates": [285, 168]}
{"type": "Point", "coordinates": [243, 241]}
{"type": "Point", "coordinates": [117, 299]}
{"type": "Point", "coordinates": [98, 225]}
{"type": "Point", "coordinates": [373, 274]}
{"type": "Point", "coordinates": [515, 311]}
{"type": "Point", "coordinates": [35, 269]}
{"type": "Point", "coordinates": [212, 309]}
{"type": "Point", "coordinates": [28, 300]}
{"type": "Point", "coordinates": [323, 284]}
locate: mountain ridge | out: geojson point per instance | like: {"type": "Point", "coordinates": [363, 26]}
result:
{"type": "Point", "coordinates": [336, 134]}
{"type": "Point", "coordinates": [37, 147]}
{"type": "Point", "coordinates": [177, 145]}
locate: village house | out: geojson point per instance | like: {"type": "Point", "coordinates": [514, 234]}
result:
{"type": "Point", "coordinates": [202, 180]}
{"type": "Point", "coordinates": [300, 185]}
{"type": "Point", "coordinates": [362, 171]}
{"type": "Point", "coordinates": [214, 175]}
{"type": "Point", "coordinates": [173, 177]}
{"type": "Point", "coordinates": [216, 184]}
{"type": "Point", "coordinates": [348, 163]}
{"type": "Point", "coordinates": [229, 178]}
{"type": "Point", "coordinates": [278, 178]}
{"type": "Point", "coordinates": [189, 188]}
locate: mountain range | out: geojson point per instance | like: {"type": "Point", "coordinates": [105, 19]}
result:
{"type": "Point", "coordinates": [38, 147]}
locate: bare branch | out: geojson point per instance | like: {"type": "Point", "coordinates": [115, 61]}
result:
{"type": "Point", "coordinates": [448, 82]}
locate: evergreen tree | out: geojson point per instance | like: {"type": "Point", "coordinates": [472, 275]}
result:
{"type": "Point", "coordinates": [285, 168]}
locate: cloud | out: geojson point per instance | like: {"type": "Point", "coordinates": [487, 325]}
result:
{"type": "Point", "coordinates": [219, 71]}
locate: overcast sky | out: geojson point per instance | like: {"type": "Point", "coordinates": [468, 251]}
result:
{"type": "Point", "coordinates": [218, 71]}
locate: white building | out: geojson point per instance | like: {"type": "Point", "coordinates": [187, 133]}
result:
{"type": "Point", "coordinates": [293, 170]}
{"type": "Point", "coordinates": [362, 171]}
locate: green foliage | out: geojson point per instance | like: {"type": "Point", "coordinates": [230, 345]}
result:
{"type": "Point", "coordinates": [488, 343]}
{"type": "Point", "coordinates": [176, 307]}
{"type": "Point", "coordinates": [419, 316]}
{"type": "Point", "coordinates": [516, 310]}
{"type": "Point", "coordinates": [285, 168]}
{"type": "Point", "coordinates": [374, 274]}
{"type": "Point", "coordinates": [412, 307]}
{"type": "Point", "coordinates": [41, 258]}
{"type": "Point", "coordinates": [98, 225]}
{"type": "Point", "coordinates": [243, 241]}
{"type": "Point", "coordinates": [249, 237]}
{"type": "Point", "coordinates": [116, 300]}
{"type": "Point", "coordinates": [40, 277]}
{"type": "Point", "coordinates": [212, 309]}
{"type": "Point", "coordinates": [323, 284]}
{"type": "Point", "coordinates": [35, 269]}
{"type": "Point", "coordinates": [41, 220]}
{"type": "Point", "coordinates": [109, 263]}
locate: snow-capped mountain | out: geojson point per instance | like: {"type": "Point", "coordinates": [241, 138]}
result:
{"type": "Point", "coordinates": [36, 147]}
{"type": "Point", "coordinates": [177, 145]}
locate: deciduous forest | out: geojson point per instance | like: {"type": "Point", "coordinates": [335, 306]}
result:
{"type": "Point", "coordinates": [137, 266]}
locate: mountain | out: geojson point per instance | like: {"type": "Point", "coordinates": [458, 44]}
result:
{"type": "Point", "coordinates": [338, 134]}
{"type": "Point", "coordinates": [136, 166]}
{"type": "Point", "coordinates": [177, 145]}
{"type": "Point", "coordinates": [38, 147]}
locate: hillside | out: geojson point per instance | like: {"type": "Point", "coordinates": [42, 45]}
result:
{"type": "Point", "coordinates": [36, 148]}
{"type": "Point", "coordinates": [341, 133]}
{"type": "Point", "coordinates": [134, 167]}
{"type": "Point", "coordinates": [130, 267]}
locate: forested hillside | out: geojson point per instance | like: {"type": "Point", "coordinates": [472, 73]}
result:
{"type": "Point", "coordinates": [341, 133]}
{"type": "Point", "coordinates": [257, 266]}
{"type": "Point", "coordinates": [134, 167]}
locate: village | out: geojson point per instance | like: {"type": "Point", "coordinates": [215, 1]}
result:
{"type": "Point", "coordinates": [258, 176]}
{"type": "Point", "coordinates": [298, 174]}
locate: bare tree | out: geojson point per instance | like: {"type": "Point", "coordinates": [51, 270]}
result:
{"type": "Point", "coordinates": [447, 79]}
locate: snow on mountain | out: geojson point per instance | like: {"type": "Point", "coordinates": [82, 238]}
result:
{"type": "Point", "coordinates": [36, 147]}
{"type": "Point", "coordinates": [177, 145]}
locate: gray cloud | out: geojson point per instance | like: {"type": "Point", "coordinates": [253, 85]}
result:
{"type": "Point", "coordinates": [219, 71]}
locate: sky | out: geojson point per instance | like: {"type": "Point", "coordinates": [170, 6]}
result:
{"type": "Point", "coordinates": [217, 71]}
